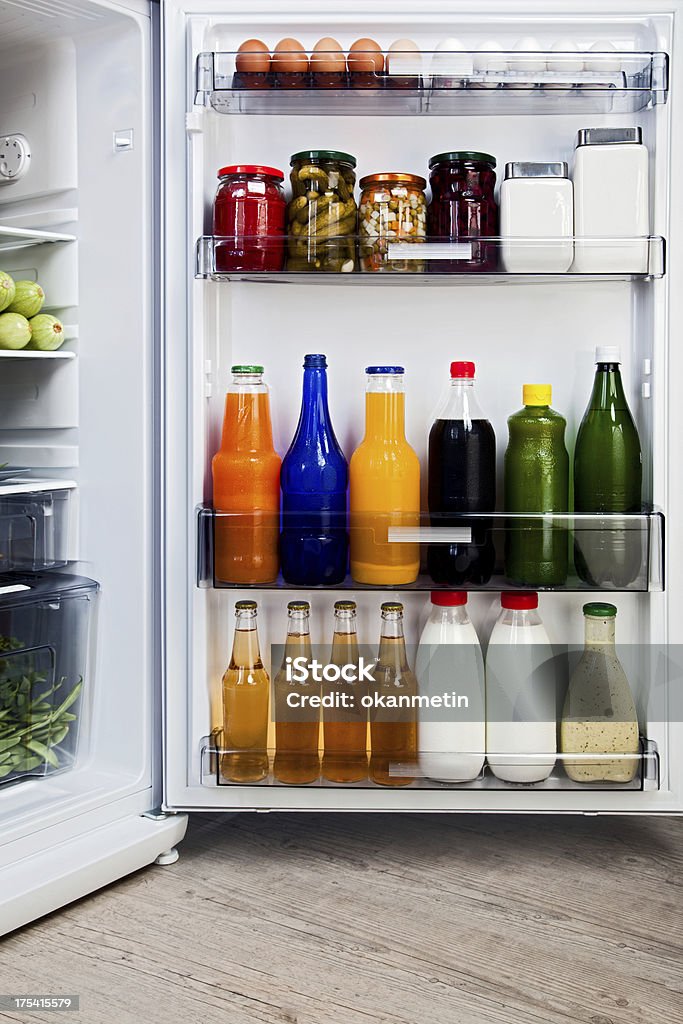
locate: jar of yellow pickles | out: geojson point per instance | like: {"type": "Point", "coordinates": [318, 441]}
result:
{"type": "Point", "coordinates": [393, 212]}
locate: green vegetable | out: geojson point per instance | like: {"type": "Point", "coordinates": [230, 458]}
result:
{"type": "Point", "coordinates": [6, 290]}
{"type": "Point", "coordinates": [32, 726]}
{"type": "Point", "coordinates": [28, 298]}
{"type": "Point", "coordinates": [15, 331]}
{"type": "Point", "coordinates": [47, 332]}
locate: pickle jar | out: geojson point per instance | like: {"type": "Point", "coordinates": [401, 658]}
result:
{"type": "Point", "coordinates": [322, 215]}
{"type": "Point", "coordinates": [463, 208]}
{"type": "Point", "coordinates": [393, 209]}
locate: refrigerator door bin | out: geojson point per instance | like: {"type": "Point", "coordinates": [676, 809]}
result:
{"type": "Point", "coordinates": [616, 552]}
{"type": "Point", "coordinates": [429, 261]}
{"type": "Point", "coordinates": [646, 777]}
{"type": "Point", "coordinates": [34, 528]}
{"type": "Point", "coordinates": [45, 633]}
{"type": "Point", "coordinates": [441, 82]}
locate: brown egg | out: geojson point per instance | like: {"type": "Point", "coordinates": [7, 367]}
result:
{"type": "Point", "coordinates": [253, 56]}
{"type": "Point", "coordinates": [365, 55]}
{"type": "Point", "coordinates": [327, 56]}
{"type": "Point", "coordinates": [289, 56]}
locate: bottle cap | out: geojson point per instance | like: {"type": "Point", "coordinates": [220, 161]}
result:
{"type": "Point", "coordinates": [448, 598]}
{"type": "Point", "coordinates": [518, 602]}
{"type": "Point", "coordinates": [392, 606]}
{"type": "Point", "coordinates": [345, 606]}
{"type": "Point", "coordinates": [462, 368]}
{"type": "Point", "coordinates": [600, 610]}
{"type": "Point", "coordinates": [537, 394]}
{"type": "Point", "coordinates": [245, 606]}
{"type": "Point", "coordinates": [607, 354]}
{"type": "Point", "coordinates": [244, 368]}
{"type": "Point", "coordinates": [372, 370]}
{"type": "Point", "coordinates": [315, 362]}
{"type": "Point", "coordinates": [298, 606]}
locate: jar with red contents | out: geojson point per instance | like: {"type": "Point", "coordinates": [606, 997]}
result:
{"type": "Point", "coordinates": [463, 208]}
{"type": "Point", "coordinates": [249, 219]}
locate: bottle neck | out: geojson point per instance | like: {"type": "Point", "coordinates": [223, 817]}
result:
{"type": "Point", "coordinates": [608, 389]}
{"type": "Point", "coordinates": [392, 647]}
{"type": "Point", "coordinates": [461, 401]}
{"type": "Point", "coordinates": [246, 424]}
{"type": "Point", "coordinates": [314, 408]}
{"type": "Point", "coordinates": [245, 647]}
{"type": "Point", "coordinates": [298, 632]}
{"type": "Point", "coordinates": [385, 416]}
{"type": "Point", "coordinates": [345, 637]}
{"type": "Point", "coordinates": [599, 632]}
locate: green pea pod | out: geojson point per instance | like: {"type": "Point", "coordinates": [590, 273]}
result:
{"type": "Point", "coordinates": [39, 748]}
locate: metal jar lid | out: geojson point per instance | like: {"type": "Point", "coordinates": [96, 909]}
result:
{"type": "Point", "coordinates": [332, 155]}
{"type": "Point", "coordinates": [393, 178]}
{"type": "Point", "coordinates": [462, 156]}
{"type": "Point", "coordinates": [608, 136]}
{"type": "Point", "coordinates": [533, 170]}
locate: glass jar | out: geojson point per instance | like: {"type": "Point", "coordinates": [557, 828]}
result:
{"type": "Point", "coordinates": [249, 218]}
{"type": "Point", "coordinates": [463, 207]}
{"type": "Point", "coordinates": [393, 209]}
{"type": "Point", "coordinates": [323, 214]}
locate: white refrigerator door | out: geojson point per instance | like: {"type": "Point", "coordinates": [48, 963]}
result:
{"type": "Point", "coordinates": [547, 331]}
{"type": "Point", "coordinates": [80, 84]}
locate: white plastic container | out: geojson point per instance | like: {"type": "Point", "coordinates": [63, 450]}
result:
{"type": "Point", "coordinates": [521, 701]}
{"type": "Point", "coordinates": [611, 201]}
{"type": "Point", "coordinates": [536, 201]}
{"type": "Point", "coordinates": [451, 741]}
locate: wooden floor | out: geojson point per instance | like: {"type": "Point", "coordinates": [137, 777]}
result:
{"type": "Point", "coordinates": [362, 919]}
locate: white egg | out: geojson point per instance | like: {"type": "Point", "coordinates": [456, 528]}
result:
{"type": "Point", "coordinates": [565, 63]}
{"type": "Point", "coordinates": [610, 65]}
{"type": "Point", "coordinates": [486, 59]}
{"type": "Point", "coordinates": [451, 58]}
{"type": "Point", "coordinates": [404, 58]}
{"type": "Point", "coordinates": [529, 62]}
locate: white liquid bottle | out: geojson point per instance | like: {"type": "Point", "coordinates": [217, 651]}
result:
{"type": "Point", "coordinates": [450, 670]}
{"type": "Point", "coordinates": [521, 715]}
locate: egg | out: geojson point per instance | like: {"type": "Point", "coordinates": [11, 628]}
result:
{"type": "Point", "coordinates": [404, 58]}
{"type": "Point", "coordinates": [610, 65]}
{"type": "Point", "coordinates": [489, 58]}
{"type": "Point", "coordinates": [565, 63]}
{"type": "Point", "coordinates": [327, 56]}
{"type": "Point", "coordinates": [253, 56]}
{"type": "Point", "coordinates": [290, 57]}
{"type": "Point", "coordinates": [529, 61]}
{"type": "Point", "coordinates": [451, 59]}
{"type": "Point", "coordinates": [365, 55]}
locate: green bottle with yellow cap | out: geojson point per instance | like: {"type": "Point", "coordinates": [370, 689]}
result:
{"type": "Point", "coordinates": [536, 480]}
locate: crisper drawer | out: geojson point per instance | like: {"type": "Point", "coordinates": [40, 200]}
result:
{"type": "Point", "coordinates": [34, 528]}
{"type": "Point", "coordinates": [46, 623]}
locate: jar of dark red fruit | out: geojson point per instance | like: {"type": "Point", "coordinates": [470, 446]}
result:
{"type": "Point", "coordinates": [249, 214]}
{"type": "Point", "coordinates": [463, 208]}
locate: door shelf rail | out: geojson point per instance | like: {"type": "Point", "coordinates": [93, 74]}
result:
{"type": "Point", "coordinates": [360, 259]}
{"type": "Point", "coordinates": [439, 82]}
{"type": "Point", "coordinates": [643, 766]}
{"type": "Point", "coordinates": [620, 553]}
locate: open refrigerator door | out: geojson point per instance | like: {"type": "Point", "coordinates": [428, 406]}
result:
{"type": "Point", "coordinates": [516, 87]}
{"type": "Point", "coordinates": [79, 533]}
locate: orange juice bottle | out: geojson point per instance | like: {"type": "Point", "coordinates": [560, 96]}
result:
{"type": "Point", "coordinates": [246, 485]}
{"type": "Point", "coordinates": [384, 486]}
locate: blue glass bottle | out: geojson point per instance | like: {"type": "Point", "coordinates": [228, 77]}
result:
{"type": "Point", "coordinates": [314, 478]}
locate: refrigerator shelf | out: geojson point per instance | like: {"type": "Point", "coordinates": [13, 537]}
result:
{"type": "Point", "coordinates": [622, 553]}
{"type": "Point", "coordinates": [432, 261]}
{"type": "Point", "coordinates": [445, 83]}
{"type": "Point", "coordinates": [35, 354]}
{"type": "Point", "coordinates": [647, 774]}
{"type": "Point", "coordinates": [19, 238]}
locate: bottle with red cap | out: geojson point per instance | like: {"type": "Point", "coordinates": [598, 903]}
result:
{"type": "Point", "coordinates": [521, 700]}
{"type": "Point", "coordinates": [462, 482]}
{"type": "Point", "coordinates": [450, 671]}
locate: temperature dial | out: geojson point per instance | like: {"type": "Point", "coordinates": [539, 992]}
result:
{"type": "Point", "coordinates": [15, 157]}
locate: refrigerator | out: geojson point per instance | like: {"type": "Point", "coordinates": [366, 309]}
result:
{"type": "Point", "coordinates": [115, 120]}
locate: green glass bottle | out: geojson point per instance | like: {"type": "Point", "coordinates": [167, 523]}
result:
{"type": "Point", "coordinates": [608, 476]}
{"type": "Point", "coordinates": [536, 480]}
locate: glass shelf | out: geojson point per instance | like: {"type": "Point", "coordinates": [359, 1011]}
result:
{"type": "Point", "coordinates": [646, 776]}
{"type": "Point", "coordinates": [20, 238]}
{"type": "Point", "coordinates": [219, 258]}
{"type": "Point", "coordinates": [439, 83]}
{"type": "Point", "coordinates": [618, 552]}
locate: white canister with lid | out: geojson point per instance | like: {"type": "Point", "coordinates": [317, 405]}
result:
{"type": "Point", "coordinates": [536, 203]}
{"type": "Point", "coordinates": [611, 201]}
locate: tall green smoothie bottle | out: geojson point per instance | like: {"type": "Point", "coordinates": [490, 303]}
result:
{"type": "Point", "coordinates": [536, 480]}
{"type": "Point", "coordinates": [608, 476]}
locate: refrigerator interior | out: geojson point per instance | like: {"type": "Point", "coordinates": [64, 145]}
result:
{"type": "Point", "coordinates": [516, 330]}
{"type": "Point", "coordinates": [74, 78]}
